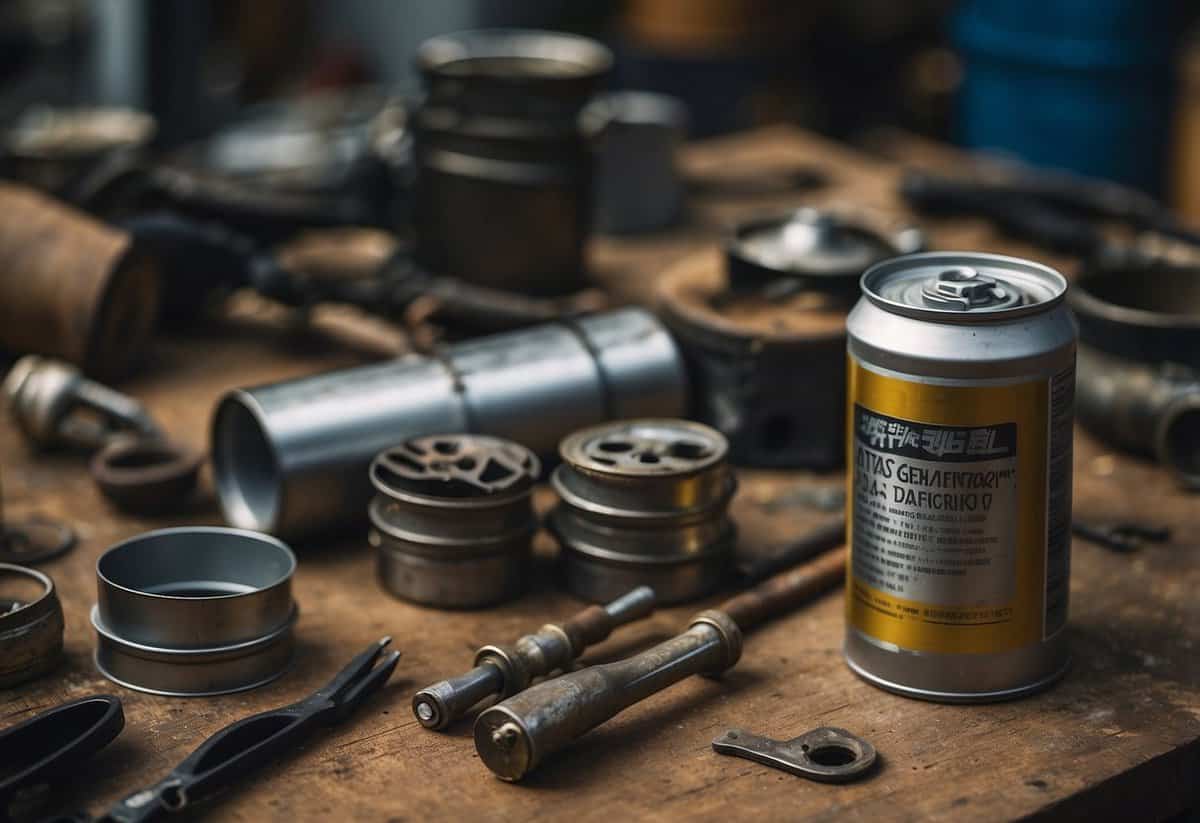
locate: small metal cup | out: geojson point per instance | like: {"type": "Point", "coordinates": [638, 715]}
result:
{"type": "Point", "coordinates": [194, 610]}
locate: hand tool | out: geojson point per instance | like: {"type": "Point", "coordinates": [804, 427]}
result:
{"type": "Point", "coordinates": [514, 736]}
{"type": "Point", "coordinates": [505, 670]}
{"type": "Point", "coordinates": [50, 747]}
{"type": "Point", "coordinates": [31, 625]}
{"type": "Point", "coordinates": [1122, 536]}
{"type": "Point", "coordinates": [249, 744]}
{"type": "Point", "coordinates": [826, 754]}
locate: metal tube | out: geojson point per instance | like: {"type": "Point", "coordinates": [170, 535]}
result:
{"type": "Point", "coordinates": [291, 458]}
{"type": "Point", "coordinates": [517, 734]}
{"type": "Point", "coordinates": [1151, 409]}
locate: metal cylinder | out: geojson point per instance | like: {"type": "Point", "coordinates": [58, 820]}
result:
{"type": "Point", "coordinates": [291, 458]}
{"type": "Point", "coordinates": [194, 611]}
{"type": "Point", "coordinates": [961, 376]}
{"type": "Point", "coordinates": [453, 519]}
{"type": "Point", "coordinates": [644, 502]}
{"type": "Point", "coordinates": [503, 184]}
{"type": "Point", "coordinates": [73, 287]}
{"type": "Point", "coordinates": [31, 625]}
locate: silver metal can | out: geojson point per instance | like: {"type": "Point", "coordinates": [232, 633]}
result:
{"type": "Point", "coordinates": [961, 379]}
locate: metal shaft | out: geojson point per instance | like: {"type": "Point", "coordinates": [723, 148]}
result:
{"type": "Point", "coordinates": [513, 737]}
{"type": "Point", "coordinates": [506, 670]}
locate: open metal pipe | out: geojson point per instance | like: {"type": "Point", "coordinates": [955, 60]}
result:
{"type": "Point", "coordinates": [513, 737]}
{"type": "Point", "coordinates": [291, 458]}
{"type": "Point", "coordinates": [1151, 409]}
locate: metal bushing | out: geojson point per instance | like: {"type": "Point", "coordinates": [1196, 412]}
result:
{"type": "Point", "coordinates": [193, 611]}
{"type": "Point", "coordinates": [644, 502]}
{"type": "Point", "coordinates": [453, 519]}
{"type": "Point", "coordinates": [31, 625]}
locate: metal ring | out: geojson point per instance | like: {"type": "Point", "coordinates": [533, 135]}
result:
{"type": "Point", "coordinates": [34, 541]}
{"type": "Point", "coordinates": [31, 633]}
{"type": "Point", "coordinates": [145, 475]}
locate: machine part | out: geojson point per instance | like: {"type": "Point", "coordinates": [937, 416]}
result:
{"type": "Point", "coordinates": [636, 136]}
{"type": "Point", "coordinates": [31, 625]}
{"type": "Point", "coordinates": [822, 538]}
{"type": "Point", "coordinates": [1149, 409]}
{"type": "Point", "coordinates": [514, 736]}
{"type": "Point", "coordinates": [73, 287]}
{"type": "Point", "coordinates": [826, 754]}
{"type": "Point", "coordinates": [502, 671]}
{"type": "Point", "coordinates": [961, 383]}
{"type": "Point", "coordinates": [753, 358]}
{"type": "Point", "coordinates": [644, 502]}
{"type": "Point", "coordinates": [1122, 537]}
{"type": "Point", "coordinates": [55, 406]}
{"type": "Point", "coordinates": [822, 250]}
{"type": "Point", "coordinates": [292, 458]}
{"type": "Point", "coordinates": [195, 610]}
{"type": "Point", "coordinates": [500, 158]}
{"type": "Point", "coordinates": [52, 747]}
{"type": "Point", "coordinates": [249, 744]}
{"type": "Point", "coordinates": [146, 476]}
{"type": "Point", "coordinates": [33, 540]}
{"type": "Point", "coordinates": [453, 519]}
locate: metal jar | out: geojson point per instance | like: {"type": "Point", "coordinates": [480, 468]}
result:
{"type": "Point", "coordinates": [503, 183]}
{"type": "Point", "coordinates": [453, 519]}
{"type": "Point", "coordinates": [31, 625]}
{"type": "Point", "coordinates": [960, 407]}
{"type": "Point", "coordinates": [194, 610]}
{"type": "Point", "coordinates": [644, 502]}
{"type": "Point", "coordinates": [292, 458]}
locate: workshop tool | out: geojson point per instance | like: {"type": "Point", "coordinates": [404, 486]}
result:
{"type": "Point", "coordinates": [248, 745]}
{"type": "Point", "coordinates": [133, 463]}
{"type": "Point", "coordinates": [32, 540]}
{"type": "Point", "coordinates": [500, 157]}
{"type": "Point", "coordinates": [826, 754]}
{"type": "Point", "coordinates": [644, 502]}
{"type": "Point", "coordinates": [291, 458]}
{"type": "Point", "coordinates": [194, 611]}
{"type": "Point", "coordinates": [514, 736]}
{"type": "Point", "coordinates": [1139, 362]}
{"type": "Point", "coordinates": [759, 329]}
{"type": "Point", "coordinates": [502, 671]}
{"type": "Point", "coordinates": [50, 748]}
{"type": "Point", "coordinates": [453, 519]}
{"type": "Point", "coordinates": [73, 287]}
{"type": "Point", "coordinates": [31, 625]}
{"type": "Point", "coordinates": [961, 383]}
{"type": "Point", "coordinates": [1123, 537]}
{"type": "Point", "coordinates": [636, 137]}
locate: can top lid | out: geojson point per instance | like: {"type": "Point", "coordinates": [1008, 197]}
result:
{"type": "Point", "coordinates": [963, 287]}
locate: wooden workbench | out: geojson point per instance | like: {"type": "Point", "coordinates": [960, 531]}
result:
{"type": "Point", "coordinates": [1117, 737]}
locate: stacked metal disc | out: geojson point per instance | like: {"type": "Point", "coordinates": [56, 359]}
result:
{"type": "Point", "coordinates": [453, 518]}
{"type": "Point", "coordinates": [644, 502]}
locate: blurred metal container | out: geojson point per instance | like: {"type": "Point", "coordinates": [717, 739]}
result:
{"type": "Point", "coordinates": [194, 611]}
{"type": "Point", "coordinates": [292, 458]}
{"type": "Point", "coordinates": [636, 136]}
{"type": "Point", "coordinates": [503, 183]}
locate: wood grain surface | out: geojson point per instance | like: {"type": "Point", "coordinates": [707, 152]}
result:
{"type": "Point", "coordinates": [1117, 737]}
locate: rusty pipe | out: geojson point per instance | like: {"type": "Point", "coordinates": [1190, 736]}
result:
{"type": "Point", "coordinates": [514, 736]}
{"type": "Point", "coordinates": [72, 287]}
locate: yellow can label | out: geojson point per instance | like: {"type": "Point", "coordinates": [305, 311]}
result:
{"type": "Point", "coordinates": [959, 510]}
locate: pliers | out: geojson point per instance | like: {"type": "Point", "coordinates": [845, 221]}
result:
{"type": "Point", "coordinates": [251, 743]}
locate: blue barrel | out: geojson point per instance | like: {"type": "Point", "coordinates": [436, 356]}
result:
{"type": "Point", "coordinates": [1083, 85]}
